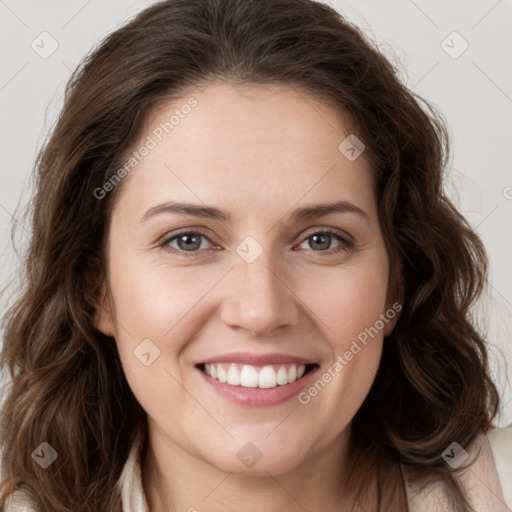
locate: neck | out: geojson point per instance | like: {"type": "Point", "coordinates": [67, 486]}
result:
{"type": "Point", "coordinates": [176, 480]}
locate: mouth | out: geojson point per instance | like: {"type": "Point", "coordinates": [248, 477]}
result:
{"type": "Point", "coordinates": [250, 376]}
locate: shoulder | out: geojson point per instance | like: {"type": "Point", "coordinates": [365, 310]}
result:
{"type": "Point", "coordinates": [130, 481]}
{"type": "Point", "coordinates": [129, 485]}
{"type": "Point", "coordinates": [481, 478]}
{"type": "Point", "coordinates": [20, 501]}
{"type": "Point", "coordinates": [500, 441]}
{"type": "Point", "coordinates": [483, 471]}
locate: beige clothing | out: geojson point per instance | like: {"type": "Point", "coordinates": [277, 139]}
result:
{"type": "Point", "coordinates": [487, 483]}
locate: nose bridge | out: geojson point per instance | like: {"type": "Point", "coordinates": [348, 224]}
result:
{"type": "Point", "coordinates": [258, 299]}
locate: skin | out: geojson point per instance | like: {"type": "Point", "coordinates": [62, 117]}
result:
{"type": "Point", "coordinates": [258, 153]}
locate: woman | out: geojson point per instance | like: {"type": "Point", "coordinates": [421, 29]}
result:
{"type": "Point", "coordinates": [183, 343]}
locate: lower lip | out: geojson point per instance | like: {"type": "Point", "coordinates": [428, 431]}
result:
{"type": "Point", "coordinates": [258, 397]}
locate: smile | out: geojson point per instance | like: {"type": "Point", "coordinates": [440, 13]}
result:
{"type": "Point", "coordinates": [249, 376]}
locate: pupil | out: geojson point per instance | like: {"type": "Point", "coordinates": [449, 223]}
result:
{"type": "Point", "coordinates": [185, 239]}
{"type": "Point", "coordinates": [325, 245]}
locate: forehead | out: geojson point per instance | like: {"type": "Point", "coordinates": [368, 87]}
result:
{"type": "Point", "coordinates": [248, 145]}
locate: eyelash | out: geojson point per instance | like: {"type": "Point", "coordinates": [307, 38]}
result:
{"type": "Point", "coordinates": [346, 243]}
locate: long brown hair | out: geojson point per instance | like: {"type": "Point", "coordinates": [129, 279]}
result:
{"type": "Point", "coordinates": [68, 387]}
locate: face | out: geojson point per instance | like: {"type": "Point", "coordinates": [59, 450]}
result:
{"type": "Point", "coordinates": [257, 282]}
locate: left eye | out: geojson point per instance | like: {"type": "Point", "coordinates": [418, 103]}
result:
{"type": "Point", "coordinates": [322, 240]}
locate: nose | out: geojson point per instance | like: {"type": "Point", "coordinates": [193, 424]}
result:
{"type": "Point", "coordinates": [259, 297]}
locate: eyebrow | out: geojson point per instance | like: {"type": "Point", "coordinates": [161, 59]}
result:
{"type": "Point", "coordinates": [209, 212]}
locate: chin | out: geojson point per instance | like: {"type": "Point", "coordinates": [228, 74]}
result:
{"type": "Point", "coordinates": [251, 459]}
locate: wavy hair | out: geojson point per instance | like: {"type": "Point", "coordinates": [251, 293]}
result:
{"type": "Point", "coordinates": [67, 385]}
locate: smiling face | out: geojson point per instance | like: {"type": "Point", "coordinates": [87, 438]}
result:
{"type": "Point", "coordinates": [256, 271]}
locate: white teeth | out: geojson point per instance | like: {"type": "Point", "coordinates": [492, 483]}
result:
{"type": "Point", "coordinates": [268, 377]}
{"type": "Point", "coordinates": [221, 374]}
{"type": "Point", "coordinates": [233, 376]}
{"type": "Point", "coordinates": [255, 377]}
{"type": "Point", "coordinates": [249, 377]}
{"type": "Point", "coordinates": [282, 376]}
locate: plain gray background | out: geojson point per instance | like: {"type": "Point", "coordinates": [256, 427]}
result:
{"type": "Point", "coordinates": [455, 54]}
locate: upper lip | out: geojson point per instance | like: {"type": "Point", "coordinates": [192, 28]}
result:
{"type": "Point", "coordinates": [257, 359]}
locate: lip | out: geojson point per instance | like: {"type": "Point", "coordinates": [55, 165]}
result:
{"type": "Point", "coordinates": [257, 359]}
{"type": "Point", "coordinates": [257, 397]}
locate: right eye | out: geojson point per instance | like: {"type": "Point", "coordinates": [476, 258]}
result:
{"type": "Point", "coordinates": [185, 242]}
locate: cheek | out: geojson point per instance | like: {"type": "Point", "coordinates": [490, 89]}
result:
{"type": "Point", "coordinates": [153, 296]}
{"type": "Point", "coordinates": [346, 301]}
{"type": "Point", "coordinates": [350, 304]}
{"type": "Point", "coordinates": [157, 303]}
{"type": "Point", "coordinates": [350, 308]}
{"type": "Point", "coordinates": [155, 310]}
